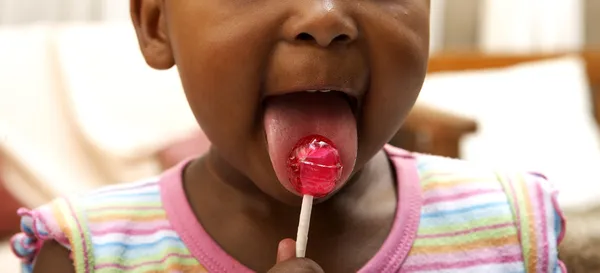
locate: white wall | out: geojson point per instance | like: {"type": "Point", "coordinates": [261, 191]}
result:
{"type": "Point", "coordinates": [437, 25]}
{"type": "Point", "coordinates": [524, 26]}
{"type": "Point", "coordinates": [115, 10]}
{"type": "Point", "coordinates": [14, 12]}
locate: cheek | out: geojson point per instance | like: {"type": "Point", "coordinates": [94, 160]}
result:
{"type": "Point", "coordinates": [398, 52]}
{"type": "Point", "coordinates": [221, 64]}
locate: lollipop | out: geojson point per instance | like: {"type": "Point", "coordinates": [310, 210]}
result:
{"type": "Point", "coordinates": [314, 168]}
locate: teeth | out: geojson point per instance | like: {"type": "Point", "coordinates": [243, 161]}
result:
{"type": "Point", "coordinates": [322, 90]}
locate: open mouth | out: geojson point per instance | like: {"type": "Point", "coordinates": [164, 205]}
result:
{"type": "Point", "coordinates": [292, 116]}
{"type": "Point", "coordinates": [322, 94]}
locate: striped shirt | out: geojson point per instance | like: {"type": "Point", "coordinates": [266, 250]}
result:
{"type": "Point", "coordinates": [451, 217]}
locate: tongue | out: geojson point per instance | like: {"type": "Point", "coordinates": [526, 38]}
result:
{"type": "Point", "coordinates": [290, 118]}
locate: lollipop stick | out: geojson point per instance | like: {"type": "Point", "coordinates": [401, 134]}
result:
{"type": "Point", "coordinates": [303, 225]}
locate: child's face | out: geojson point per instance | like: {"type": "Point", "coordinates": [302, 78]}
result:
{"type": "Point", "coordinates": [232, 54]}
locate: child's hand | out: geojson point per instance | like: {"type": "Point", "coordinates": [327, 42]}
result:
{"type": "Point", "coordinates": [287, 261]}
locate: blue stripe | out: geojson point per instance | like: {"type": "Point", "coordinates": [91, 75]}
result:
{"type": "Point", "coordinates": [129, 194]}
{"type": "Point", "coordinates": [133, 245]}
{"type": "Point", "coordinates": [466, 216]}
{"type": "Point", "coordinates": [27, 267]}
{"type": "Point", "coordinates": [26, 229]}
{"type": "Point", "coordinates": [133, 252]}
{"type": "Point", "coordinates": [125, 199]}
{"type": "Point", "coordinates": [557, 224]}
{"type": "Point", "coordinates": [462, 210]}
{"type": "Point", "coordinates": [129, 188]}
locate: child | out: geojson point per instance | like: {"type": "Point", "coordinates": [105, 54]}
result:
{"type": "Point", "coordinates": [260, 75]}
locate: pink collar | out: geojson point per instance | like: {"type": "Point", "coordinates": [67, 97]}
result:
{"type": "Point", "coordinates": [389, 258]}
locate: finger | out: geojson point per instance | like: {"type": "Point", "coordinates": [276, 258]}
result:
{"type": "Point", "coordinates": [295, 265]}
{"type": "Point", "coordinates": [286, 250]}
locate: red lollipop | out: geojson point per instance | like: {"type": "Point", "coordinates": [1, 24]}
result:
{"type": "Point", "coordinates": [314, 168]}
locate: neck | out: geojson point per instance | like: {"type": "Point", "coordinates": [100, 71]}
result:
{"type": "Point", "coordinates": [211, 180]}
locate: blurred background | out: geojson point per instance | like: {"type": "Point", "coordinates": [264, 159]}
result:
{"type": "Point", "coordinates": [511, 83]}
{"type": "Point", "coordinates": [487, 25]}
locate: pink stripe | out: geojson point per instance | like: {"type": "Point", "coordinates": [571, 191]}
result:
{"type": "Point", "coordinates": [34, 228]}
{"type": "Point", "coordinates": [82, 236]}
{"type": "Point", "coordinates": [543, 223]}
{"type": "Point", "coordinates": [458, 256]}
{"type": "Point", "coordinates": [26, 247]}
{"type": "Point", "coordinates": [455, 197]}
{"type": "Point", "coordinates": [133, 232]}
{"type": "Point", "coordinates": [121, 226]}
{"type": "Point", "coordinates": [132, 267]}
{"type": "Point", "coordinates": [563, 268]}
{"type": "Point", "coordinates": [52, 227]}
{"type": "Point", "coordinates": [463, 232]}
{"type": "Point", "coordinates": [464, 264]}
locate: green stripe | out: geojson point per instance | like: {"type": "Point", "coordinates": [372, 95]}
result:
{"type": "Point", "coordinates": [467, 238]}
{"type": "Point", "coordinates": [150, 258]}
{"type": "Point", "coordinates": [522, 198]}
{"type": "Point", "coordinates": [73, 219]}
{"type": "Point", "coordinates": [521, 192]}
{"type": "Point", "coordinates": [451, 178]}
{"type": "Point", "coordinates": [517, 197]}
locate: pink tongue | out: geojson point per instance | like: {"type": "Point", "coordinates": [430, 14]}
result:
{"type": "Point", "coordinates": [294, 117]}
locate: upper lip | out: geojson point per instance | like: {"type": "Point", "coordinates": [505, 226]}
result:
{"type": "Point", "coordinates": [296, 69]}
{"type": "Point", "coordinates": [350, 92]}
{"type": "Point", "coordinates": [353, 96]}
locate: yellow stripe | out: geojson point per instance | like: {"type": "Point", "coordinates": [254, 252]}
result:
{"type": "Point", "coordinates": [64, 219]}
{"type": "Point", "coordinates": [458, 181]}
{"type": "Point", "coordinates": [135, 218]}
{"type": "Point", "coordinates": [485, 243]}
{"type": "Point", "coordinates": [530, 222]}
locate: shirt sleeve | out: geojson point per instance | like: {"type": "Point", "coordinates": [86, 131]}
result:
{"type": "Point", "coordinates": [37, 226]}
{"type": "Point", "coordinates": [540, 221]}
{"type": "Point", "coordinates": [59, 221]}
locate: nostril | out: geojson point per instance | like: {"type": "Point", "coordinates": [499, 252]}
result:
{"type": "Point", "coordinates": [325, 40]}
{"type": "Point", "coordinates": [341, 38]}
{"type": "Point", "coordinates": [304, 37]}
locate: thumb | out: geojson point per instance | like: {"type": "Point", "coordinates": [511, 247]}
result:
{"type": "Point", "coordinates": [286, 250]}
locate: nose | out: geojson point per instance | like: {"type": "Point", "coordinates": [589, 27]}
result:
{"type": "Point", "coordinates": [320, 22]}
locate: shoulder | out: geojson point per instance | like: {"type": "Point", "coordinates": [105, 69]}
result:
{"type": "Point", "coordinates": [469, 183]}
{"type": "Point", "coordinates": [70, 222]}
{"type": "Point", "coordinates": [452, 173]}
{"type": "Point", "coordinates": [489, 197]}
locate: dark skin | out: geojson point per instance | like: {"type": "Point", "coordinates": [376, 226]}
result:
{"type": "Point", "coordinates": [231, 55]}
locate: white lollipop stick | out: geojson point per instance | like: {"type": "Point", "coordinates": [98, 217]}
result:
{"type": "Point", "coordinates": [303, 225]}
